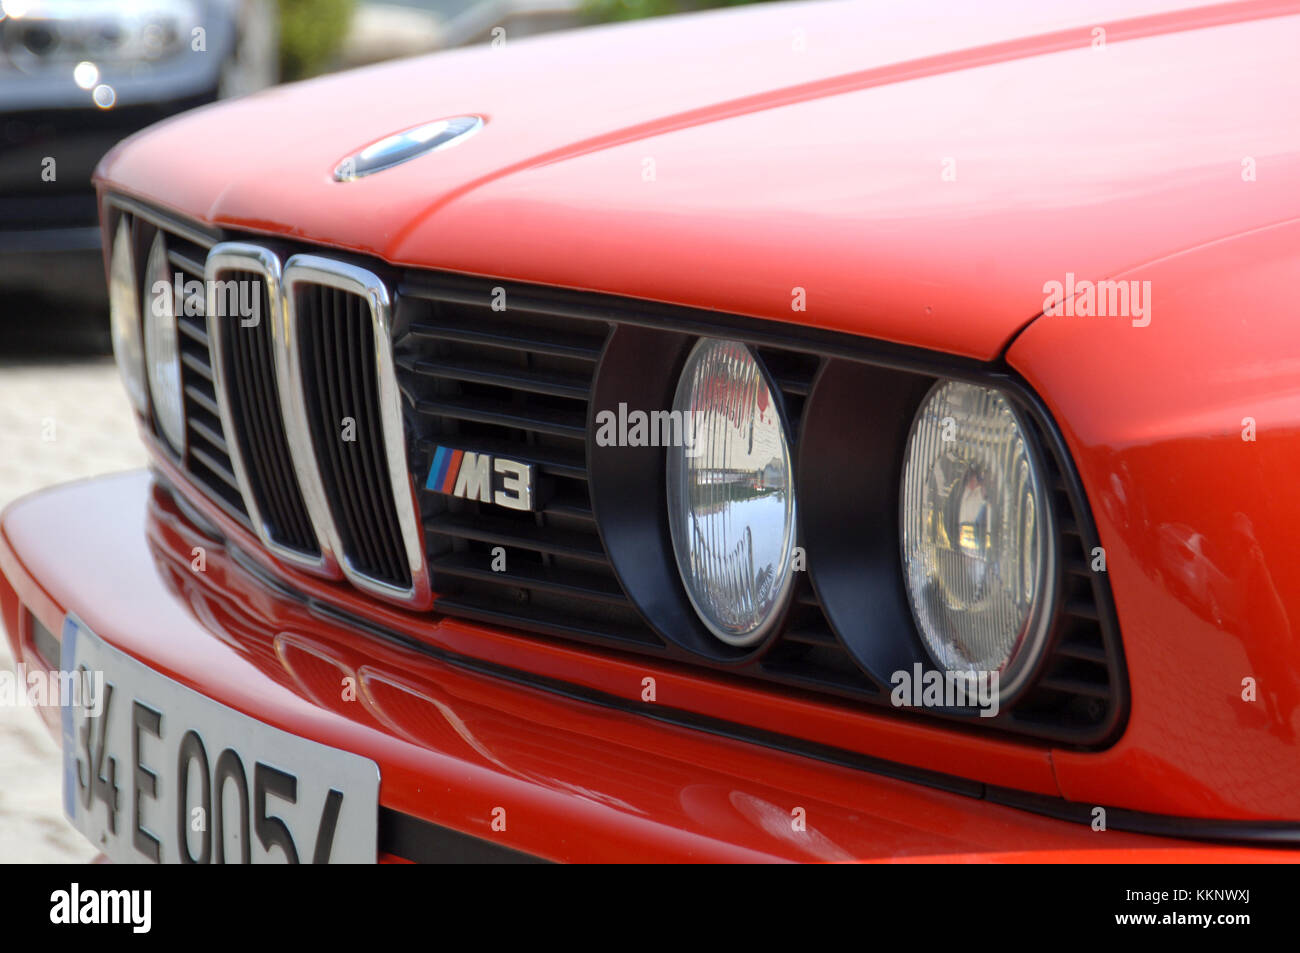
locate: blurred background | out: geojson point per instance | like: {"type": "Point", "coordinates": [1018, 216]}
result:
{"type": "Point", "coordinates": [75, 77]}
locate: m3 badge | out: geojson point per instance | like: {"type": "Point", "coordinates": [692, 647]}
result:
{"type": "Point", "coordinates": [482, 477]}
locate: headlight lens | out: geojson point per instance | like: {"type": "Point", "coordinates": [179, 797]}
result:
{"type": "Point", "coordinates": [162, 349]}
{"type": "Point", "coordinates": [124, 312]}
{"type": "Point", "coordinates": [976, 532]}
{"type": "Point", "coordinates": [731, 503]}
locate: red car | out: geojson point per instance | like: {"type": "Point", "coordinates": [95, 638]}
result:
{"type": "Point", "coordinates": [815, 432]}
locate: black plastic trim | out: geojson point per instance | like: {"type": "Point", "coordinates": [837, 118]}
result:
{"type": "Point", "coordinates": [411, 838]}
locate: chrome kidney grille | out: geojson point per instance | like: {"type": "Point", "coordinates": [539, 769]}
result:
{"type": "Point", "coordinates": [337, 358]}
{"type": "Point", "coordinates": [292, 413]}
{"type": "Point", "coordinates": [243, 350]}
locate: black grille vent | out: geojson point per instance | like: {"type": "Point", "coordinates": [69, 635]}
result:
{"type": "Point", "coordinates": [207, 458]}
{"type": "Point", "coordinates": [336, 337]}
{"type": "Point", "coordinates": [1079, 686]}
{"type": "Point", "coordinates": [254, 401]}
{"type": "Point", "coordinates": [807, 651]}
{"type": "Point", "coordinates": [495, 383]}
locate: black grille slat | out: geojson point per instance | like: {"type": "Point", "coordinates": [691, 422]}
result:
{"type": "Point", "coordinates": [217, 468]}
{"type": "Point", "coordinates": [329, 435]}
{"type": "Point", "coordinates": [576, 585]}
{"type": "Point", "coordinates": [198, 364]}
{"type": "Point", "coordinates": [1084, 608]}
{"type": "Point", "coordinates": [367, 451]}
{"type": "Point", "coordinates": [191, 266]}
{"type": "Point", "coordinates": [508, 337]}
{"type": "Point", "coordinates": [363, 380]}
{"type": "Point", "coordinates": [492, 610]}
{"type": "Point", "coordinates": [337, 352]}
{"type": "Point", "coordinates": [557, 423]}
{"type": "Point", "coordinates": [481, 372]}
{"type": "Point", "coordinates": [203, 401]}
{"type": "Point", "coordinates": [328, 432]}
{"type": "Point", "coordinates": [1074, 686]}
{"type": "Point", "coordinates": [520, 534]}
{"type": "Point", "coordinates": [1084, 651]}
{"type": "Point", "coordinates": [254, 398]}
{"type": "Point", "coordinates": [812, 636]}
{"type": "Point", "coordinates": [195, 332]}
{"type": "Point", "coordinates": [573, 511]}
{"type": "Point", "coordinates": [206, 458]}
{"type": "Point", "coordinates": [210, 434]}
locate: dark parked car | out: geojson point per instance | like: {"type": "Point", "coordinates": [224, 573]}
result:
{"type": "Point", "coordinates": [76, 76]}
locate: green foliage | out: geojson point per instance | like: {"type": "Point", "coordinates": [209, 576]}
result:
{"type": "Point", "coordinates": [311, 32]}
{"type": "Point", "coordinates": [636, 9]}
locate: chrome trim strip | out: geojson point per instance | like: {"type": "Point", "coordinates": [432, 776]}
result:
{"type": "Point", "coordinates": [164, 221]}
{"type": "Point", "coordinates": [240, 256]}
{"type": "Point", "coordinates": [313, 269]}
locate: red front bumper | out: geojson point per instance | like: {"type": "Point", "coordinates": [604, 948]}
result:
{"type": "Point", "coordinates": [455, 742]}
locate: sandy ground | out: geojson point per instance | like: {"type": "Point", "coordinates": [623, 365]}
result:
{"type": "Point", "coordinates": [63, 416]}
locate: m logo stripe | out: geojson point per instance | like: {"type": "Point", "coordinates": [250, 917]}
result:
{"type": "Point", "coordinates": [453, 467]}
{"type": "Point", "coordinates": [442, 474]}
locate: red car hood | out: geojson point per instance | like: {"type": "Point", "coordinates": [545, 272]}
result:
{"type": "Point", "coordinates": [907, 174]}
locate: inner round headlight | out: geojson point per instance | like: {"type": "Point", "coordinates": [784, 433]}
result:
{"type": "Point", "coordinates": [162, 348]}
{"type": "Point", "coordinates": [124, 317]}
{"type": "Point", "coordinates": [731, 504]}
{"type": "Point", "coordinates": [976, 533]}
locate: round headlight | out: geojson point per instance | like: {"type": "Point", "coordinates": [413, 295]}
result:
{"type": "Point", "coordinates": [731, 505]}
{"type": "Point", "coordinates": [162, 348]}
{"type": "Point", "coordinates": [124, 315]}
{"type": "Point", "coordinates": [976, 533]}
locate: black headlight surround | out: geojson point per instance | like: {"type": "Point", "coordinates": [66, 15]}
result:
{"type": "Point", "coordinates": [640, 369]}
{"type": "Point", "coordinates": [851, 469]}
{"type": "Point", "coordinates": [849, 441]}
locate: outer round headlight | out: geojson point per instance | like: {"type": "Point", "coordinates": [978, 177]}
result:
{"type": "Point", "coordinates": [162, 348]}
{"type": "Point", "coordinates": [124, 315]}
{"type": "Point", "coordinates": [977, 534]}
{"type": "Point", "coordinates": [731, 503]}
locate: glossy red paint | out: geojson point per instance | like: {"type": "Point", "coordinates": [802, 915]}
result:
{"type": "Point", "coordinates": [800, 146]}
{"type": "Point", "coordinates": [579, 781]}
{"type": "Point", "coordinates": [1199, 525]}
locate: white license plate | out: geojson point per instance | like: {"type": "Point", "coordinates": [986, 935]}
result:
{"type": "Point", "coordinates": [165, 774]}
